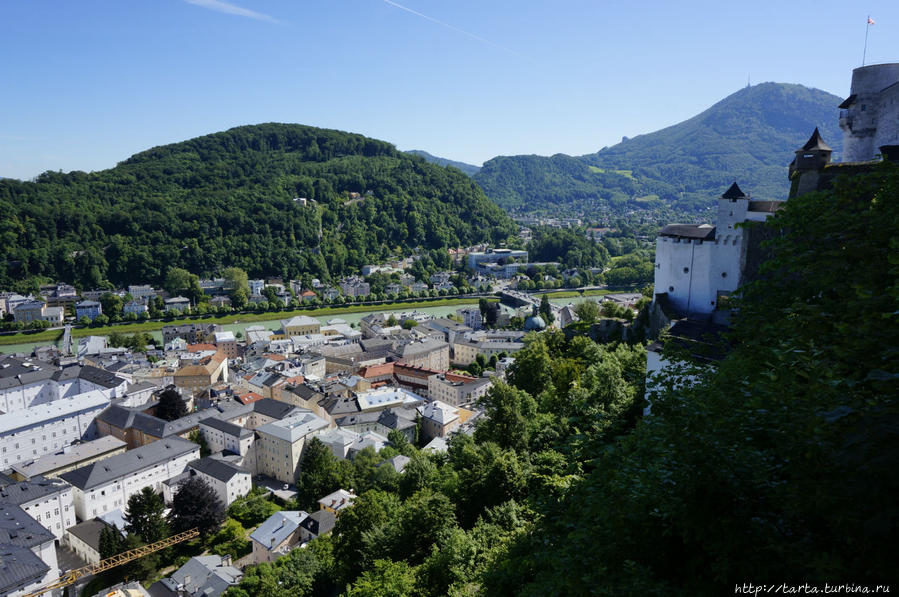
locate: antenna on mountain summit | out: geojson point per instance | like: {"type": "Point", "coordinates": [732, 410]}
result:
{"type": "Point", "coordinates": [748, 85]}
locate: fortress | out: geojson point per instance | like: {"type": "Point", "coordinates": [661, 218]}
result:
{"type": "Point", "coordinates": [698, 266]}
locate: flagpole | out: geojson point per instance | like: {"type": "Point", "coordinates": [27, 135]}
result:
{"type": "Point", "coordinates": [867, 26]}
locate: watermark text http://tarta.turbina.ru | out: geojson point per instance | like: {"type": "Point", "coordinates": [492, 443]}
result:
{"type": "Point", "coordinates": [807, 589]}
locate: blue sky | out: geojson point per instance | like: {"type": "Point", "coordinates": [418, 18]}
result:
{"type": "Point", "coordinates": [91, 82]}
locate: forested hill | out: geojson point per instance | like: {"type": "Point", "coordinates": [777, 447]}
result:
{"type": "Point", "coordinates": [228, 199]}
{"type": "Point", "coordinates": [749, 136]}
{"type": "Point", "coordinates": [469, 169]}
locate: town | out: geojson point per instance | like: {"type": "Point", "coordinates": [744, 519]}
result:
{"type": "Point", "coordinates": [89, 425]}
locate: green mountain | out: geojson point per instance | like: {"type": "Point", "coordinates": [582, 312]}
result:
{"type": "Point", "coordinates": [749, 136]}
{"type": "Point", "coordinates": [469, 169]}
{"type": "Point", "coordinates": [228, 199]}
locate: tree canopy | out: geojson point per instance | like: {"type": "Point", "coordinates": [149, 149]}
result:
{"type": "Point", "coordinates": [227, 200]}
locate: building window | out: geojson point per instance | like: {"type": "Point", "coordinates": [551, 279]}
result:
{"type": "Point", "coordinates": [723, 274]}
{"type": "Point", "coordinates": [686, 270]}
{"type": "Point", "coordinates": [671, 289]}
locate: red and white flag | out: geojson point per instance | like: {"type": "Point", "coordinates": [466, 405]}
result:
{"type": "Point", "coordinates": [870, 21]}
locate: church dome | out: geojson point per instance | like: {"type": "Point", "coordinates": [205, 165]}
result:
{"type": "Point", "coordinates": [534, 323]}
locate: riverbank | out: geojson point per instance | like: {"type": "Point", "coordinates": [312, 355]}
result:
{"type": "Point", "coordinates": [26, 342]}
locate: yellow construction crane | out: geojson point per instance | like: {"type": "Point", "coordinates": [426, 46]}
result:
{"type": "Point", "coordinates": [117, 560]}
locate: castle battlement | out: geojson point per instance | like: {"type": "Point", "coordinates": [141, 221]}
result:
{"type": "Point", "coordinates": [869, 117]}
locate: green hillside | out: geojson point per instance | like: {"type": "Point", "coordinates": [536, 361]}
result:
{"type": "Point", "coordinates": [750, 136]}
{"type": "Point", "coordinates": [469, 169]}
{"type": "Point", "coordinates": [228, 199]}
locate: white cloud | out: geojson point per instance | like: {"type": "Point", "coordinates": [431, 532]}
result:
{"type": "Point", "coordinates": [231, 9]}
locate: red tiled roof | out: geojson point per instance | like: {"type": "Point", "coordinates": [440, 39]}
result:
{"type": "Point", "coordinates": [462, 378]}
{"type": "Point", "coordinates": [376, 370]}
{"type": "Point", "coordinates": [201, 347]}
{"type": "Point", "coordinates": [249, 397]}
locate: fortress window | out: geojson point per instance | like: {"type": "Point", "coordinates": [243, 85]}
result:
{"type": "Point", "coordinates": [671, 289]}
{"type": "Point", "coordinates": [686, 270]}
{"type": "Point", "coordinates": [723, 274]}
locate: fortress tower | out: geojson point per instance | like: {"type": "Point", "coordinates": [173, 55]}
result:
{"type": "Point", "coordinates": [869, 117]}
{"type": "Point", "coordinates": [697, 265]}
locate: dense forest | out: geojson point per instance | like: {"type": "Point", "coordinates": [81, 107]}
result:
{"type": "Point", "coordinates": [775, 465]}
{"type": "Point", "coordinates": [227, 199]}
{"type": "Point", "coordinates": [749, 136]}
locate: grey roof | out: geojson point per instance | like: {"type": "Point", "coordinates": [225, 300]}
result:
{"type": "Point", "coordinates": [19, 567]}
{"type": "Point", "coordinates": [693, 231]}
{"type": "Point", "coordinates": [70, 455]}
{"type": "Point", "coordinates": [89, 532]}
{"type": "Point", "coordinates": [735, 192]}
{"type": "Point", "coordinates": [815, 142]}
{"type": "Point", "coordinates": [398, 462]}
{"type": "Point", "coordinates": [115, 467]}
{"type": "Point", "coordinates": [424, 346]}
{"type": "Point", "coordinates": [99, 376]}
{"type": "Point", "coordinates": [19, 529]}
{"type": "Point", "coordinates": [294, 427]}
{"type": "Point", "coordinates": [217, 469]}
{"type": "Point", "coordinates": [278, 527]}
{"type": "Point", "coordinates": [320, 522]}
{"type": "Point", "coordinates": [140, 386]}
{"type": "Point", "coordinates": [226, 427]}
{"type": "Point", "coordinates": [29, 491]}
{"type": "Point", "coordinates": [202, 576]}
{"type": "Point", "coordinates": [273, 408]}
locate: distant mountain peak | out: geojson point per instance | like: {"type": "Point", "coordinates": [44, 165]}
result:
{"type": "Point", "coordinates": [469, 169]}
{"type": "Point", "coordinates": [750, 136]}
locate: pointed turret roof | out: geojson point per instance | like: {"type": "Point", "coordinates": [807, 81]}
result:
{"type": "Point", "coordinates": [734, 192]}
{"type": "Point", "coordinates": [816, 142]}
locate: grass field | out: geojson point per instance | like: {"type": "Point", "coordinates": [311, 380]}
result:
{"type": "Point", "coordinates": [49, 336]}
{"type": "Point", "coordinates": [576, 293]}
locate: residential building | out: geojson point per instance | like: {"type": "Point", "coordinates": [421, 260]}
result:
{"type": "Point", "coordinates": [229, 481]}
{"type": "Point", "coordinates": [439, 419]}
{"type": "Point", "coordinates": [37, 311]}
{"type": "Point", "coordinates": [457, 390]}
{"type": "Point", "coordinates": [279, 447]}
{"type": "Point", "coordinates": [276, 536]}
{"type": "Point", "coordinates": [84, 539]}
{"type": "Point", "coordinates": [180, 303]}
{"type": "Point", "coordinates": [192, 333]}
{"type": "Point", "coordinates": [487, 343]}
{"type": "Point", "coordinates": [226, 343]}
{"type": "Point", "coordinates": [472, 317]}
{"type": "Point", "coordinates": [69, 458]}
{"type": "Point", "coordinates": [427, 354]}
{"type": "Point", "coordinates": [495, 256]}
{"type": "Point", "coordinates": [45, 428]}
{"type": "Point", "coordinates": [136, 306]}
{"type": "Point", "coordinates": [47, 501]}
{"type": "Point", "coordinates": [26, 382]}
{"type": "Point", "coordinates": [27, 553]}
{"type": "Point", "coordinates": [301, 325]}
{"type": "Point", "coordinates": [317, 524]}
{"type": "Point", "coordinates": [337, 501]}
{"type": "Point", "coordinates": [256, 287]}
{"type": "Point", "coordinates": [89, 309]}
{"type": "Point", "coordinates": [106, 485]}
{"type": "Point", "coordinates": [222, 436]}
{"type": "Point", "coordinates": [141, 291]}
{"type": "Point", "coordinates": [200, 576]}
{"type": "Point", "coordinates": [125, 589]}
{"type": "Point", "coordinates": [354, 286]}
{"type": "Point", "coordinates": [202, 373]}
